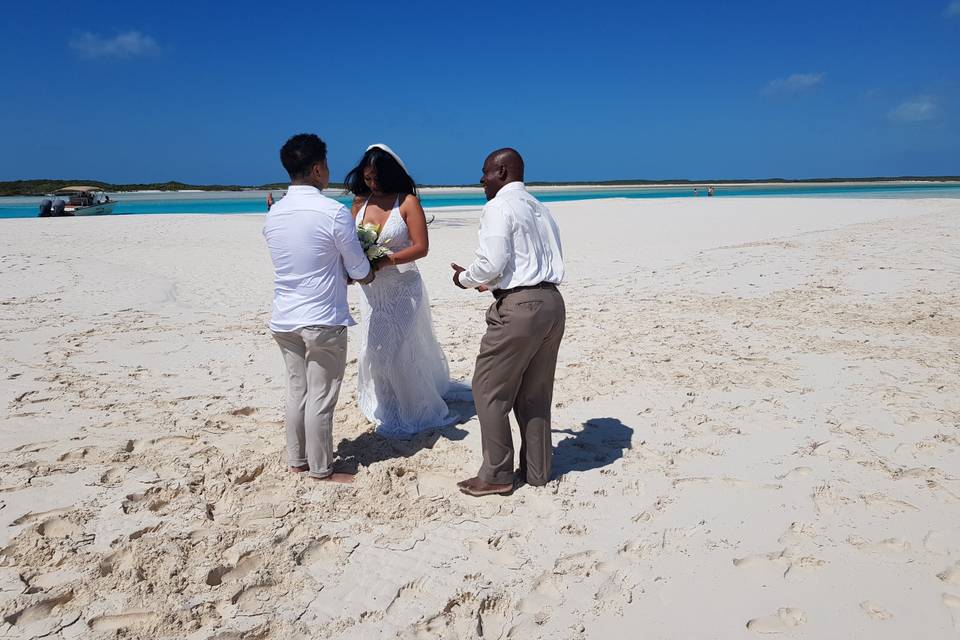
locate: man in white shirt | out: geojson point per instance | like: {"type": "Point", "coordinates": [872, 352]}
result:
{"type": "Point", "coordinates": [314, 248]}
{"type": "Point", "coordinates": [520, 260]}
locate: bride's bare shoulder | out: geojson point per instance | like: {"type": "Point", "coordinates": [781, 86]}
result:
{"type": "Point", "coordinates": [357, 204]}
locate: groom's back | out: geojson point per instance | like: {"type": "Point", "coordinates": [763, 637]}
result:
{"type": "Point", "coordinates": [310, 280]}
{"type": "Point", "coordinates": [298, 229]}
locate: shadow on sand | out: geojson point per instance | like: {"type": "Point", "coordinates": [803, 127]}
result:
{"type": "Point", "coordinates": [371, 447]}
{"type": "Point", "coordinates": [597, 444]}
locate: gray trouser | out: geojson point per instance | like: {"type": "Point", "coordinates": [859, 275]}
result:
{"type": "Point", "coordinates": [514, 372]}
{"type": "Point", "coordinates": [316, 358]}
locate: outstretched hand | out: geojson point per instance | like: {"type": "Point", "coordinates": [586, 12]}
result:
{"type": "Point", "coordinates": [457, 270]}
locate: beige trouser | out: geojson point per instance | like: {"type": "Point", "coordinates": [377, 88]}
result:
{"type": "Point", "coordinates": [514, 372]}
{"type": "Point", "coordinates": [316, 358]}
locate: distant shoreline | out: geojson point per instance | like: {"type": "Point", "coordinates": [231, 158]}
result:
{"type": "Point", "coordinates": [603, 186]}
{"type": "Point", "coordinates": [43, 187]}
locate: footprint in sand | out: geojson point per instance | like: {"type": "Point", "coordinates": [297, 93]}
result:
{"type": "Point", "coordinates": [547, 592]}
{"type": "Point", "coordinates": [762, 559]}
{"type": "Point", "coordinates": [939, 543]}
{"type": "Point", "coordinates": [616, 591]}
{"type": "Point", "coordinates": [74, 454]}
{"type": "Point", "coordinates": [798, 532]}
{"type": "Point", "coordinates": [166, 442]}
{"type": "Point", "coordinates": [406, 603]}
{"type": "Point", "coordinates": [549, 589]}
{"type": "Point", "coordinates": [827, 500]}
{"type": "Point", "coordinates": [249, 474]}
{"type": "Point", "coordinates": [875, 611]}
{"type": "Point", "coordinates": [888, 545]}
{"type": "Point", "coordinates": [122, 620]}
{"type": "Point", "coordinates": [951, 575]}
{"type": "Point", "coordinates": [112, 476]}
{"type": "Point", "coordinates": [226, 574]}
{"type": "Point", "coordinates": [153, 499]}
{"type": "Point", "coordinates": [327, 549]}
{"type": "Point", "coordinates": [886, 503]}
{"type": "Point", "coordinates": [32, 516]}
{"type": "Point", "coordinates": [255, 600]}
{"type": "Point", "coordinates": [325, 557]}
{"type": "Point", "coordinates": [39, 610]}
{"type": "Point", "coordinates": [782, 560]}
{"type": "Point", "coordinates": [118, 561]}
{"type": "Point", "coordinates": [34, 447]}
{"type": "Point", "coordinates": [795, 473]}
{"type": "Point", "coordinates": [953, 604]}
{"type": "Point", "coordinates": [494, 616]}
{"type": "Point", "coordinates": [58, 528]}
{"type": "Point", "coordinates": [783, 620]}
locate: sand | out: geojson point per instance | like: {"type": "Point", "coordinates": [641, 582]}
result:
{"type": "Point", "coordinates": [757, 432]}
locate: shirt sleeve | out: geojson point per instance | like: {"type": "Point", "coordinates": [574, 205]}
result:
{"type": "Point", "coordinates": [345, 235]}
{"type": "Point", "coordinates": [493, 250]}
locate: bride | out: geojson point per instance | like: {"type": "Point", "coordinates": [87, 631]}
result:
{"type": "Point", "coordinates": [403, 374]}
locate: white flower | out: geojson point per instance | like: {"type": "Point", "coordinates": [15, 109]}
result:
{"type": "Point", "coordinates": [376, 251]}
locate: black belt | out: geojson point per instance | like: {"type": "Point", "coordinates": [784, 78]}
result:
{"type": "Point", "coordinates": [502, 293]}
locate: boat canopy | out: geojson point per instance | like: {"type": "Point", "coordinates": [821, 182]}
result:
{"type": "Point", "coordinates": [78, 189]}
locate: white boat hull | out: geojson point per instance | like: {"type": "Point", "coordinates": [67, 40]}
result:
{"type": "Point", "coordinates": [102, 209]}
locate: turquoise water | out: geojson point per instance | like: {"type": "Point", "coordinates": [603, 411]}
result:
{"type": "Point", "coordinates": [253, 202]}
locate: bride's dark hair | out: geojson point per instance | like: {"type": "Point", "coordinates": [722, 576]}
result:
{"type": "Point", "coordinates": [391, 177]}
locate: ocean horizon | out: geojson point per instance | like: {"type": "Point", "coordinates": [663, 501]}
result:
{"type": "Point", "coordinates": [252, 202]}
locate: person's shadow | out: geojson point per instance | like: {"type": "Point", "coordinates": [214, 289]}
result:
{"type": "Point", "coordinates": [371, 447]}
{"type": "Point", "coordinates": [596, 445]}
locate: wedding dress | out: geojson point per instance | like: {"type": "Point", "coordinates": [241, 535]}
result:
{"type": "Point", "coordinates": [403, 374]}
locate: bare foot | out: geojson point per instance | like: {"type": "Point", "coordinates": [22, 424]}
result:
{"type": "Point", "coordinates": [478, 488]}
{"type": "Point", "coordinates": [300, 469]}
{"type": "Point", "coordinates": [340, 478]}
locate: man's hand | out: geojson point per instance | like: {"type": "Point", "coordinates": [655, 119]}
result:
{"type": "Point", "coordinates": [457, 270]}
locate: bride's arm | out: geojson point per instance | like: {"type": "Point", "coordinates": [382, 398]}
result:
{"type": "Point", "coordinates": [416, 221]}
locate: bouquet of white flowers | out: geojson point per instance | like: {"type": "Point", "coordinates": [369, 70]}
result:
{"type": "Point", "coordinates": [369, 236]}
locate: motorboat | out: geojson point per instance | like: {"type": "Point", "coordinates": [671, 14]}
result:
{"type": "Point", "coordinates": [77, 200]}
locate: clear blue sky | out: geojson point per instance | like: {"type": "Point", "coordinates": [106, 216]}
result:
{"type": "Point", "coordinates": [207, 92]}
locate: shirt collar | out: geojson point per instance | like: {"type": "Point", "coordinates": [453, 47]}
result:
{"type": "Point", "coordinates": [512, 186]}
{"type": "Point", "coordinates": [302, 188]}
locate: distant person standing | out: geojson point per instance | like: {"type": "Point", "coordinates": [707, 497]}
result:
{"type": "Point", "coordinates": [271, 201]}
{"type": "Point", "coordinates": [519, 258]}
{"type": "Point", "coordinates": [709, 191]}
{"type": "Point", "coordinates": [696, 192]}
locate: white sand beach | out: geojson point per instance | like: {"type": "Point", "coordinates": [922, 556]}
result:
{"type": "Point", "coordinates": [757, 431]}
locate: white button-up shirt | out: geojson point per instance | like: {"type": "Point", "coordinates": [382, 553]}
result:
{"type": "Point", "coordinates": [519, 243]}
{"type": "Point", "coordinates": [313, 244]}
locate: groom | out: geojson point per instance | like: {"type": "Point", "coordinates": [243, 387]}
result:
{"type": "Point", "coordinates": [520, 260]}
{"type": "Point", "coordinates": [314, 248]}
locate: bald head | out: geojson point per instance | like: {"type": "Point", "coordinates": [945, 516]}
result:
{"type": "Point", "coordinates": [510, 159]}
{"type": "Point", "coordinates": [501, 167]}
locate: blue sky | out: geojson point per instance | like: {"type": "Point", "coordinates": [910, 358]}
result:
{"type": "Point", "coordinates": [207, 92]}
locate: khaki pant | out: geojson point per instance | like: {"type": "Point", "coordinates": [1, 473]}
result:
{"type": "Point", "coordinates": [315, 358]}
{"type": "Point", "coordinates": [514, 372]}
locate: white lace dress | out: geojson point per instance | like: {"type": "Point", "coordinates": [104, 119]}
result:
{"type": "Point", "coordinates": [403, 374]}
